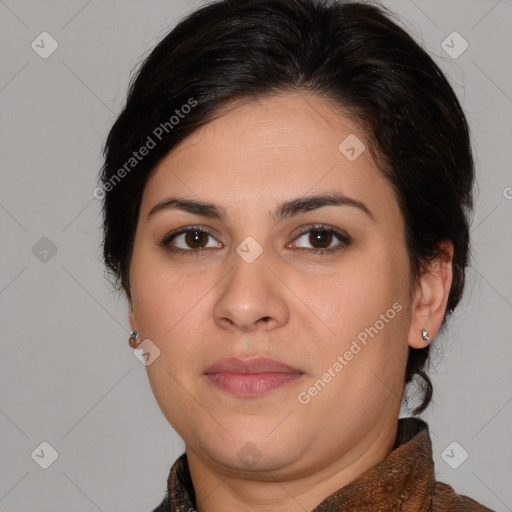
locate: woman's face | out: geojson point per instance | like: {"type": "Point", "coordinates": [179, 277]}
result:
{"type": "Point", "coordinates": [249, 284]}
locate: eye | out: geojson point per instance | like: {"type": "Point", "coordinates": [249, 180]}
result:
{"type": "Point", "coordinates": [190, 240]}
{"type": "Point", "coordinates": [193, 240]}
{"type": "Point", "coordinates": [321, 238]}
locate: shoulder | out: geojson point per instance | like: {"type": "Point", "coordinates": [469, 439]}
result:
{"type": "Point", "coordinates": [445, 499]}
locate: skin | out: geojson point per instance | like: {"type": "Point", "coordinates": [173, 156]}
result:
{"type": "Point", "coordinates": [289, 304]}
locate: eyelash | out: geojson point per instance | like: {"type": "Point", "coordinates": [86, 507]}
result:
{"type": "Point", "coordinates": [343, 238]}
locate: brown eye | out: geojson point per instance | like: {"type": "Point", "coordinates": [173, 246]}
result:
{"type": "Point", "coordinates": [196, 239]}
{"type": "Point", "coordinates": [320, 239]}
{"type": "Point", "coordinates": [189, 240]}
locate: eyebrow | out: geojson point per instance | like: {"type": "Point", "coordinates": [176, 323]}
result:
{"type": "Point", "coordinates": [284, 210]}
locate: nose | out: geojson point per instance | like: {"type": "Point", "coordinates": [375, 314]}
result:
{"type": "Point", "coordinates": [251, 297]}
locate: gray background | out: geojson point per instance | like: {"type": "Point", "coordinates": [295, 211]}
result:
{"type": "Point", "coordinates": [68, 376]}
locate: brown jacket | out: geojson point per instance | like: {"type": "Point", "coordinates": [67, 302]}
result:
{"type": "Point", "coordinates": [403, 481]}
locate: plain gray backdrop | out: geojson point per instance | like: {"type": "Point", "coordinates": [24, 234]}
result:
{"type": "Point", "coordinates": [68, 377]}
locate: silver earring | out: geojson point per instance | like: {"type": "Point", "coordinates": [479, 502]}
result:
{"type": "Point", "coordinates": [134, 340]}
{"type": "Point", "coordinates": [425, 335]}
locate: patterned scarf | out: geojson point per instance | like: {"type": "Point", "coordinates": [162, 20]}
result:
{"type": "Point", "coordinates": [403, 481]}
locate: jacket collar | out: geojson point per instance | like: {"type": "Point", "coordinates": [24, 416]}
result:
{"type": "Point", "coordinates": [404, 480]}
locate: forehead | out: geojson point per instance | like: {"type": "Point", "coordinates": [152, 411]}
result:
{"type": "Point", "coordinates": [268, 150]}
{"type": "Point", "coordinates": [276, 125]}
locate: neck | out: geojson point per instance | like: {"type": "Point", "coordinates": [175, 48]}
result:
{"type": "Point", "coordinates": [285, 489]}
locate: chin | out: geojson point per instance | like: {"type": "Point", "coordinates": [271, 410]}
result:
{"type": "Point", "coordinates": [253, 457]}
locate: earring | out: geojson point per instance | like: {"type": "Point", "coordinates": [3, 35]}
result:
{"type": "Point", "coordinates": [134, 340]}
{"type": "Point", "coordinates": [425, 335]}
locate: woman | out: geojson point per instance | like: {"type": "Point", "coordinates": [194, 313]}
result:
{"type": "Point", "coordinates": [286, 206]}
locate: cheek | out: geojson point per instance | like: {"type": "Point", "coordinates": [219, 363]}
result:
{"type": "Point", "coordinates": [170, 313]}
{"type": "Point", "coordinates": [163, 298]}
{"type": "Point", "coordinates": [359, 367]}
{"type": "Point", "coordinates": [356, 296]}
{"type": "Point", "coordinates": [363, 312]}
{"type": "Point", "coordinates": [172, 310]}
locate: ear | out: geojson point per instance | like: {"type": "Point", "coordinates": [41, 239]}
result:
{"type": "Point", "coordinates": [131, 317]}
{"type": "Point", "coordinates": [431, 297]}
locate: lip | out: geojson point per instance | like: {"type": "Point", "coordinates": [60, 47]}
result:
{"type": "Point", "coordinates": [251, 377]}
{"type": "Point", "coordinates": [251, 365]}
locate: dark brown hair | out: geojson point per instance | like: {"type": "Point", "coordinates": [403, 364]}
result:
{"type": "Point", "coordinates": [350, 52]}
